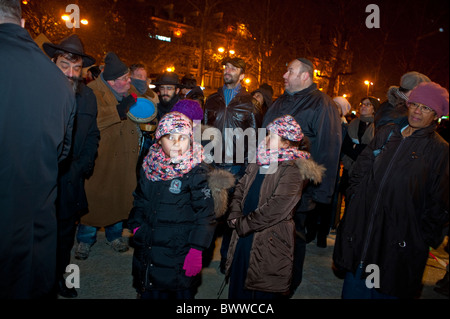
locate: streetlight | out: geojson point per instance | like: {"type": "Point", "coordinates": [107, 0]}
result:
{"type": "Point", "coordinates": [368, 83]}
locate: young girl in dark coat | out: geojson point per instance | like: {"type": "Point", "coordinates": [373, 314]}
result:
{"type": "Point", "coordinates": [260, 257]}
{"type": "Point", "coordinates": [173, 218]}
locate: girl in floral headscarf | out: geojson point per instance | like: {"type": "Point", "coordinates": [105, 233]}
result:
{"type": "Point", "coordinates": [260, 257]}
{"type": "Point", "coordinates": [173, 218]}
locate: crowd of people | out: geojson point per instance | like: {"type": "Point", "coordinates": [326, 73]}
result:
{"type": "Point", "coordinates": [152, 184]}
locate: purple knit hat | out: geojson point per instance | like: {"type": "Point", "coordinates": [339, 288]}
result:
{"type": "Point", "coordinates": [287, 127]}
{"type": "Point", "coordinates": [174, 123]}
{"type": "Point", "coordinates": [190, 108]}
{"type": "Point", "coordinates": [432, 95]}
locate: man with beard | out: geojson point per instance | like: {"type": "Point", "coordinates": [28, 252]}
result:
{"type": "Point", "coordinates": [230, 109]}
{"type": "Point", "coordinates": [168, 86]}
{"type": "Point", "coordinates": [72, 203]}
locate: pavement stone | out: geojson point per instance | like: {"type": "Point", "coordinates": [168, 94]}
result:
{"type": "Point", "coordinates": [106, 274]}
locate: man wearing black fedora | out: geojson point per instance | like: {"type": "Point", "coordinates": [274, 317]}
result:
{"type": "Point", "coordinates": [167, 86]}
{"type": "Point", "coordinates": [72, 203]}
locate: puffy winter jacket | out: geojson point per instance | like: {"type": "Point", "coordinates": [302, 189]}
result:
{"type": "Point", "coordinates": [173, 216]}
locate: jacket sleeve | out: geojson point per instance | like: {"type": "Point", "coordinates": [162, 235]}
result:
{"type": "Point", "coordinates": [365, 161]}
{"type": "Point", "coordinates": [203, 204]}
{"type": "Point", "coordinates": [326, 149]}
{"type": "Point", "coordinates": [277, 207]}
{"type": "Point", "coordinates": [64, 149]}
{"type": "Point", "coordinates": [90, 145]}
{"type": "Point", "coordinates": [137, 214]}
{"type": "Point", "coordinates": [435, 216]}
{"type": "Point", "coordinates": [236, 203]}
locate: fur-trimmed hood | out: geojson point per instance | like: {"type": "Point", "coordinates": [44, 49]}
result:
{"type": "Point", "coordinates": [310, 170]}
{"type": "Point", "coordinates": [220, 181]}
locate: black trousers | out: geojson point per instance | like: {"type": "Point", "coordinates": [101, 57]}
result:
{"type": "Point", "coordinates": [299, 249]}
{"type": "Point", "coordinates": [66, 238]}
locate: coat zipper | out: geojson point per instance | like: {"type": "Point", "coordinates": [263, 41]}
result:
{"type": "Point", "coordinates": [374, 208]}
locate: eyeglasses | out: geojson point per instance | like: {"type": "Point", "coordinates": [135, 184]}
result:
{"type": "Point", "coordinates": [423, 108]}
{"type": "Point", "coordinates": [365, 104]}
{"type": "Point", "coordinates": [123, 78]}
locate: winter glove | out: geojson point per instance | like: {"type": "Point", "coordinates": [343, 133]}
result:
{"type": "Point", "coordinates": [193, 262]}
{"type": "Point", "coordinates": [135, 230]}
{"type": "Point", "coordinates": [124, 106]}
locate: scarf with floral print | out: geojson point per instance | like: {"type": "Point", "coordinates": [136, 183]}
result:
{"type": "Point", "coordinates": [265, 155]}
{"type": "Point", "coordinates": [159, 167]}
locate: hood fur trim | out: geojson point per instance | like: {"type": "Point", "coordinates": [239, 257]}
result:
{"type": "Point", "coordinates": [219, 182]}
{"type": "Point", "coordinates": [310, 170]}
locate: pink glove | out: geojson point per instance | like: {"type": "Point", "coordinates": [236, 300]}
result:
{"type": "Point", "coordinates": [193, 262]}
{"type": "Point", "coordinates": [135, 230]}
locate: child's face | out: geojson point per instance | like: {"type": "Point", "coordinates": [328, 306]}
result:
{"type": "Point", "coordinates": [274, 141]}
{"type": "Point", "coordinates": [175, 145]}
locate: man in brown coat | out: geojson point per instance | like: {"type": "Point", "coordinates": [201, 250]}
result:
{"type": "Point", "coordinates": [111, 186]}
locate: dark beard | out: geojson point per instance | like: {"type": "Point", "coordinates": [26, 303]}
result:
{"type": "Point", "coordinates": [75, 82]}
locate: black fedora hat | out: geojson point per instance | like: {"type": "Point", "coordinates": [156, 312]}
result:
{"type": "Point", "coordinates": [168, 78]}
{"type": "Point", "coordinates": [71, 44]}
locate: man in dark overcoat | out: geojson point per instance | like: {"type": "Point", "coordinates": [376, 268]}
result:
{"type": "Point", "coordinates": [37, 110]}
{"type": "Point", "coordinates": [72, 203]}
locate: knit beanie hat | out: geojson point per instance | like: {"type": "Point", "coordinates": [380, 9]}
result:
{"type": "Point", "coordinates": [432, 95]}
{"type": "Point", "coordinates": [287, 127]}
{"type": "Point", "coordinates": [190, 108]}
{"type": "Point", "coordinates": [343, 104]}
{"type": "Point", "coordinates": [410, 80]}
{"type": "Point", "coordinates": [114, 67]}
{"type": "Point", "coordinates": [174, 123]}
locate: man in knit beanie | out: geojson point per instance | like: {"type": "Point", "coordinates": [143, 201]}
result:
{"type": "Point", "coordinates": [394, 110]}
{"type": "Point", "coordinates": [109, 190]}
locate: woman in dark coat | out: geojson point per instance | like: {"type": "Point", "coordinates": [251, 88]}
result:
{"type": "Point", "coordinates": [398, 203]}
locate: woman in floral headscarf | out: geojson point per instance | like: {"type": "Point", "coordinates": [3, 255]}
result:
{"type": "Point", "coordinates": [173, 218]}
{"type": "Point", "coordinates": [260, 257]}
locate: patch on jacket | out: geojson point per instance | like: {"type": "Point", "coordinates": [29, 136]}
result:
{"type": "Point", "coordinates": [207, 192]}
{"type": "Point", "coordinates": [175, 186]}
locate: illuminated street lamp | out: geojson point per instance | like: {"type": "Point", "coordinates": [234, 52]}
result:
{"type": "Point", "coordinates": [84, 21]}
{"type": "Point", "coordinates": [368, 83]}
{"type": "Point", "coordinates": [170, 69]}
{"type": "Point", "coordinates": [221, 49]}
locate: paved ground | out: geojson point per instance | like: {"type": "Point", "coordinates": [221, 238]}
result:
{"type": "Point", "coordinates": [107, 274]}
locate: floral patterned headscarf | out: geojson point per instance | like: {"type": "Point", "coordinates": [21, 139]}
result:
{"type": "Point", "coordinates": [157, 165]}
{"type": "Point", "coordinates": [288, 128]}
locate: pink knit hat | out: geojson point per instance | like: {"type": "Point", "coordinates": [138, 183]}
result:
{"type": "Point", "coordinates": [174, 123]}
{"type": "Point", "coordinates": [432, 95]}
{"type": "Point", "coordinates": [287, 127]}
